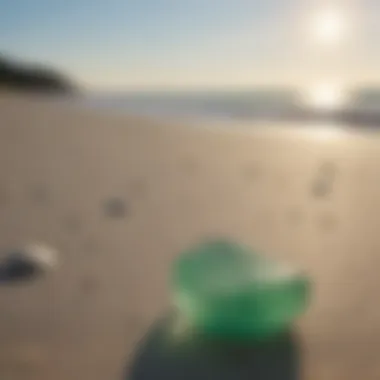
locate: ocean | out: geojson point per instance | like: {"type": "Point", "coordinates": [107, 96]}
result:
{"type": "Point", "coordinates": [198, 105]}
{"type": "Point", "coordinates": [275, 105]}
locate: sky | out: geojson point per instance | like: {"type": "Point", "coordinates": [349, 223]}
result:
{"type": "Point", "coordinates": [122, 44]}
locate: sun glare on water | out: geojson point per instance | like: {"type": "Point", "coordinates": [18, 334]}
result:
{"type": "Point", "coordinates": [325, 96]}
{"type": "Point", "coordinates": [328, 26]}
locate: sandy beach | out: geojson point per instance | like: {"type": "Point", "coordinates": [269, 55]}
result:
{"type": "Point", "coordinates": [120, 196]}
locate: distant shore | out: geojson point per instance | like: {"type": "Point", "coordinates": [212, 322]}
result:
{"type": "Point", "coordinates": [35, 78]}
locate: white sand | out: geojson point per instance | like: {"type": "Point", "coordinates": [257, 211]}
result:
{"type": "Point", "coordinates": [59, 166]}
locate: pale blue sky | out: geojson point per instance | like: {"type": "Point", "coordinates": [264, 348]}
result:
{"type": "Point", "coordinates": [188, 43]}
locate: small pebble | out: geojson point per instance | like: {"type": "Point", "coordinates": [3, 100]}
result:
{"type": "Point", "coordinates": [115, 208]}
{"type": "Point", "coordinates": [321, 188]}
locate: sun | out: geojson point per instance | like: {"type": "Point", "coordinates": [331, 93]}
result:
{"type": "Point", "coordinates": [328, 26]}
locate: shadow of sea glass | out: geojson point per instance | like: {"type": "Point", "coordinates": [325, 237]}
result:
{"type": "Point", "coordinates": [171, 353]}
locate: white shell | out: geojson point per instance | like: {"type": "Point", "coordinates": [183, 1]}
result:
{"type": "Point", "coordinates": [41, 255]}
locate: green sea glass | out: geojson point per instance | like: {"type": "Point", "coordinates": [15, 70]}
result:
{"type": "Point", "coordinates": [227, 290]}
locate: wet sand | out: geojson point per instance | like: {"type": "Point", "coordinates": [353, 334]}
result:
{"type": "Point", "coordinates": [119, 197]}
